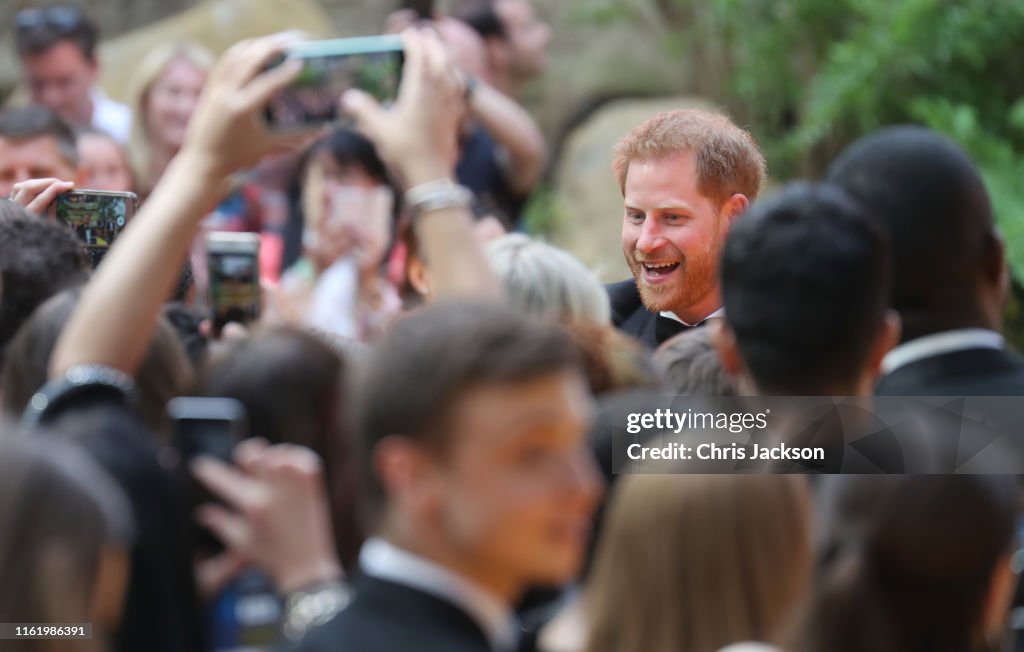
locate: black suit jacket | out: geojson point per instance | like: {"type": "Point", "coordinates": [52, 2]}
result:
{"type": "Point", "coordinates": [388, 617]}
{"type": "Point", "coordinates": [631, 317]}
{"type": "Point", "coordinates": [971, 372]}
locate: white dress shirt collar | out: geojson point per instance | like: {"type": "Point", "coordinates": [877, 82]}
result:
{"type": "Point", "coordinates": [384, 560]}
{"type": "Point", "coordinates": [940, 343]}
{"type": "Point", "coordinates": [671, 315]}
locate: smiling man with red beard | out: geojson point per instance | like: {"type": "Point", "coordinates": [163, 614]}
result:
{"type": "Point", "coordinates": [685, 175]}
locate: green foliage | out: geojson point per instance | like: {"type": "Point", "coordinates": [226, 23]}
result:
{"type": "Point", "coordinates": [809, 76]}
{"type": "Point", "coordinates": [542, 213]}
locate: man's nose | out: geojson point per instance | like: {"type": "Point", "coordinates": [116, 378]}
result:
{"type": "Point", "coordinates": [651, 237]}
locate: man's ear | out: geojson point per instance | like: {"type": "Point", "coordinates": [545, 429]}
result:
{"type": "Point", "coordinates": [402, 467]}
{"type": "Point", "coordinates": [93, 66]}
{"type": "Point", "coordinates": [997, 272]}
{"type": "Point", "coordinates": [1001, 587]}
{"type": "Point", "coordinates": [734, 206]}
{"type": "Point", "coordinates": [887, 337]}
{"type": "Point", "coordinates": [724, 340]}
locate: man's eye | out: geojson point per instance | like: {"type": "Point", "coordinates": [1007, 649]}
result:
{"type": "Point", "coordinates": [635, 217]}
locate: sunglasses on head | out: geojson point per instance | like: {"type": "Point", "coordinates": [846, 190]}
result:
{"type": "Point", "coordinates": [65, 18]}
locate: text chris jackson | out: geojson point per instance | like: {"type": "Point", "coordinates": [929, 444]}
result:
{"type": "Point", "coordinates": [665, 420]}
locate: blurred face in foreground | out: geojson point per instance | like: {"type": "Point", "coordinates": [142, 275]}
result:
{"type": "Point", "coordinates": [512, 497]}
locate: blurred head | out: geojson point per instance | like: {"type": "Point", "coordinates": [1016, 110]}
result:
{"type": "Point", "coordinates": [290, 382]}
{"type": "Point", "coordinates": [165, 371]}
{"type": "Point", "coordinates": [691, 365]}
{"type": "Point", "coordinates": [338, 176]}
{"type": "Point", "coordinates": [751, 535]}
{"type": "Point", "coordinates": [805, 280]}
{"type": "Point", "coordinates": [34, 144]}
{"type": "Point", "coordinates": [527, 37]}
{"type": "Point", "coordinates": [104, 161]}
{"type": "Point", "coordinates": [685, 175]}
{"type": "Point", "coordinates": [484, 468]}
{"type": "Point", "coordinates": [38, 258]}
{"type": "Point", "coordinates": [516, 38]}
{"type": "Point", "coordinates": [165, 88]}
{"type": "Point", "coordinates": [547, 282]}
{"type": "Point", "coordinates": [65, 528]}
{"type": "Point", "coordinates": [57, 46]}
{"type": "Point", "coordinates": [897, 572]}
{"type": "Point", "coordinates": [613, 360]}
{"type": "Point", "coordinates": [949, 268]}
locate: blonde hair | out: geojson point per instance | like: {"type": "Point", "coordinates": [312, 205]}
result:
{"type": "Point", "coordinates": [695, 562]}
{"type": "Point", "coordinates": [548, 282]}
{"type": "Point", "coordinates": [146, 73]}
{"type": "Point", "coordinates": [728, 160]}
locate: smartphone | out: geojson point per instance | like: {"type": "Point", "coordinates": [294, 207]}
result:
{"type": "Point", "coordinates": [233, 266]}
{"type": "Point", "coordinates": [370, 63]}
{"type": "Point", "coordinates": [210, 426]}
{"type": "Point", "coordinates": [97, 217]}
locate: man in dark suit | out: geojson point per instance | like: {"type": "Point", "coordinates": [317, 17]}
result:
{"type": "Point", "coordinates": [685, 177]}
{"type": "Point", "coordinates": [479, 481]}
{"type": "Point", "coordinates": [805, 280]}
{"type": "Point", "coordinates": [949, 269]}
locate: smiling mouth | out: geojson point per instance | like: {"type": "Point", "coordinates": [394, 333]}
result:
{"type": "Point", "coordinates": [657, 271]}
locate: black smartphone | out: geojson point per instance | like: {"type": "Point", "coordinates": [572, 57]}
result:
{"type": "Point", "coordinates": [97, 217]}
{"type": "Point", "coordinates": [233, 266]}
{"type": "Point", "coordinates": [204, 426]}
{"type": "Point", "coordinates": [370, 63]}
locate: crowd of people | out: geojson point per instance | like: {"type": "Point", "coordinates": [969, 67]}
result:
{"type": "Point", "coordinates": [427, 393]}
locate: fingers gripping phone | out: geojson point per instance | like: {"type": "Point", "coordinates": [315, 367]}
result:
{"type": "Point", "coordinates": [331, 67]}
{"type": "Point", "coordinates": [97, 217]}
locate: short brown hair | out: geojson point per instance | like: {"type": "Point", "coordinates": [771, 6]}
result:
{"type": "Point", "coordinates": [728, 159]}
{"type": "Point", "coordinates": [415, 376]}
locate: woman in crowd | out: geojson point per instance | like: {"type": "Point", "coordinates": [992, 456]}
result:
{"type": "Point", "coordinates": [105, 161]}
{"type": "Point", "coordinates": [64, 532]}
{"type": "Point", "coordinates": [342, 208]}
{"type": "Point", "coordinates": [165, 88]}
{"type": "Point", "coordinates": [914, 563]}
{"type": "Point", "coordinates": [547, 281]}
{"type": "Point", "coordinates": [164, 374]}
{"type": "Point", "coordinates": [292, 386]}
{"type": "Point", "coordinates": [694, 562]}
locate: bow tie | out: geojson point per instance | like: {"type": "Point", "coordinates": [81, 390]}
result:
{"type": "Point", "coordinates": [666, 327]}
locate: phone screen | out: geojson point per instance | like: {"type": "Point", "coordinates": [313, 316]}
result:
{"type": "Point", "coordinates": [371, 64]}
{"type": "Point", "coordinates": [234, 286]}
{"type": "Point", "coordinates": [97, 218]}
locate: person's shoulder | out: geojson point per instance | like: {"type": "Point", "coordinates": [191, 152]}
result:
{"type": "Point", "coordinates": [366, 624]}
{"type": "Point", "coordinates": [112, 117]}
{"type": "Point", "coordinates": [624, 299]}
{"type": "Point", "coordinates": [970, 372]}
